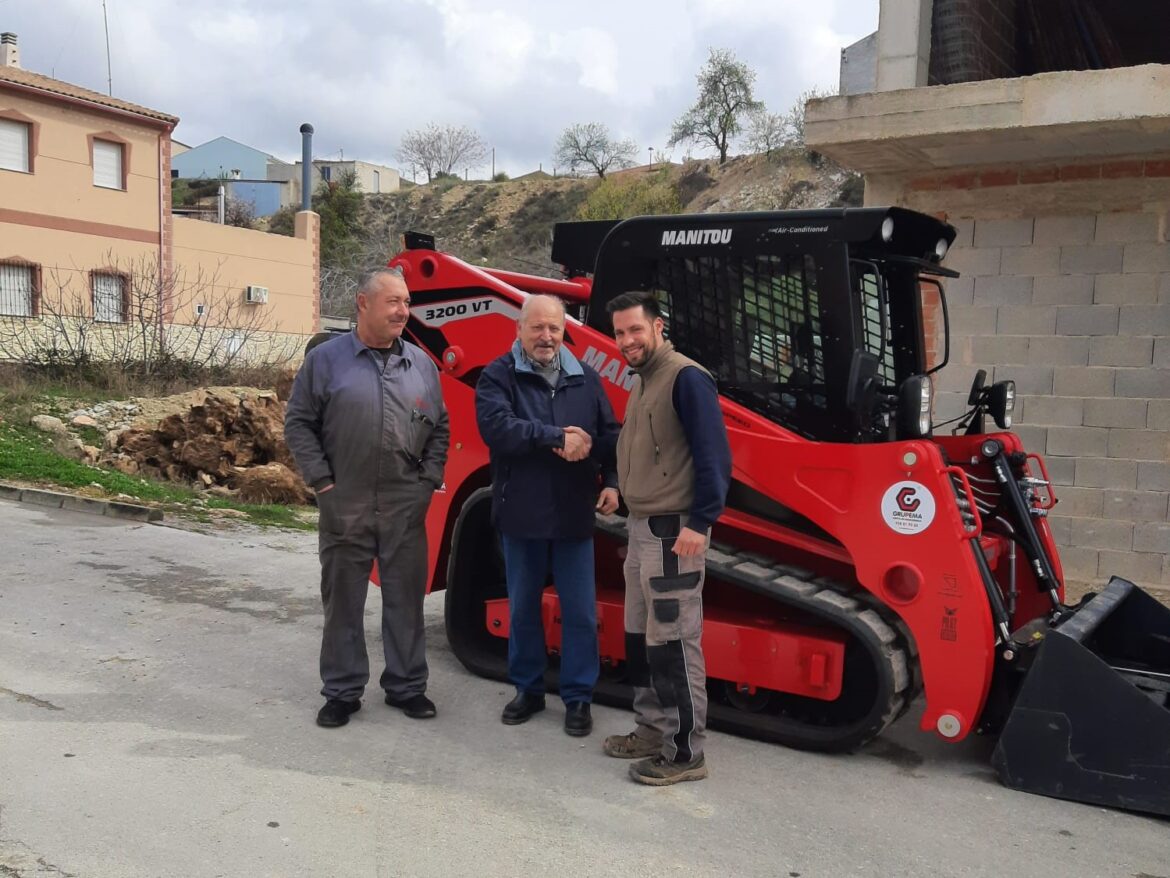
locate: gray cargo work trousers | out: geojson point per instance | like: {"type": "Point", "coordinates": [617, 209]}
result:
{"type": "Point", "coordinates": [352, 536]}
{"type": "Point", "coordinates": [664, 632]}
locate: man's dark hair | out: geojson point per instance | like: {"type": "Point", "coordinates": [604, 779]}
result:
{"type": "Point", "coordinates": [635, 299]}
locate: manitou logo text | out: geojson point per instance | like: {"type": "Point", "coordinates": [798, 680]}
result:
{"type": "Point", "coordinates": [696, 236]}
{"type": "Point", "coordinates": [610, 368]}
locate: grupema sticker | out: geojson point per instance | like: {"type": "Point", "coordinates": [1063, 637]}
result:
{"type": "Point", "coordinates": [908, 507]}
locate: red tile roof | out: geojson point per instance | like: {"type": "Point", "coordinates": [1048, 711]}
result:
{"type": "Point", "coordinates": [36, 81]}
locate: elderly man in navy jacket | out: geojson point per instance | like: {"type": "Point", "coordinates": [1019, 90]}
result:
{"type": "Point", "coordinates": [551, 433]}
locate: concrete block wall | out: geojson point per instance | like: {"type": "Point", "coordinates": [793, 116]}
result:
{"type": "Point", "coordinates": [1076, 309]}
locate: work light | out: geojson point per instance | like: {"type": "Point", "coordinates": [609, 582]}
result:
{"type": "Point", "coordinates": [915, 401]}
{"type": "Point", "coordinates": [1001, 403]}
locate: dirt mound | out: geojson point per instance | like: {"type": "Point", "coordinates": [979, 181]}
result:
{"type": "Point", "coordinates": [149, 411]}
{"type": "Point", "coordinates": [270, 483]}
{"type": "Point", "coordinates": [219, 436]}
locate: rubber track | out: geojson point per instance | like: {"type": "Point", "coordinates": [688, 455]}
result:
{"type": "Point", "coordinates": [854, 610]}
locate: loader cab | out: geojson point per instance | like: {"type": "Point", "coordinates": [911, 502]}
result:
{"type": "Point", "coordinates": [812, 319]}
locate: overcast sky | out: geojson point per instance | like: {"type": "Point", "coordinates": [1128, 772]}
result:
{"type": "Point", "coordinates": [365, 71]}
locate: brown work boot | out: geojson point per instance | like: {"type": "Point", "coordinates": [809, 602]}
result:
{"type": "Point", "coordinates": [658, 771]}
{"type": "Point", "coordinates": [630, 746]}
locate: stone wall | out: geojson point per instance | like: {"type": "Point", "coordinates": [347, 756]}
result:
{"type": "Point", "coordinates": [66, 339]}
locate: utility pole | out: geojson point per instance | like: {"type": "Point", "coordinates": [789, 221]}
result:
{"type": "Point", "coordinates": [650, 167]}
{"type": "Point", "coordinates": [493, 163]}
{"type": "Point", "coordinates": [109, 72]}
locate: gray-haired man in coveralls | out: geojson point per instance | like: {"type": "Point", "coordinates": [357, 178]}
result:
{"type": "Point", "coordinates": [368, 427]}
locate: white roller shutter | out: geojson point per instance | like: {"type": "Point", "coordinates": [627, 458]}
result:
{"type": "Point", "coordinates": [107, 298]}
{"type": "Point", "coordinates": [107, 164]}
{"type": "Point", "coordinates": [13, 145]}
{"type": "Point", "coordinates": [16, 290]}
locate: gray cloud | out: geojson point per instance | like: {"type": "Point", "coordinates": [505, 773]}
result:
{"type": "Point", "coordinates": [518, 71]}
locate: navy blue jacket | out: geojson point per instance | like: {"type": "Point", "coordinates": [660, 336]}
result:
{"type": "Point", "coordinates": [536, 494]}
{"type": "Point", "coordinates": [696, 402]}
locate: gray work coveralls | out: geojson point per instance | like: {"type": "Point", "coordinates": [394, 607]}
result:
{"type": "Point", "coordinates": [377, 430]}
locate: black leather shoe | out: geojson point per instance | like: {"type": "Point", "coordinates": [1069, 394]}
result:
{"type": "Point", "coordinates": [520, 708]}
{"type": "Point", "coordinates": [416, 706]}
{"type": "Point", "coordinates": [336, 712]}
{"type": "Point", "coordinates": [578, 722]}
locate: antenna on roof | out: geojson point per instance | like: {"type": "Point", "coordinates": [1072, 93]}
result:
{"type": "Point", "coordinates": [109, 73]}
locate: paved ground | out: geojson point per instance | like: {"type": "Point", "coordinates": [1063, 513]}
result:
{"type": "Point", "coordinates": [157, 693]}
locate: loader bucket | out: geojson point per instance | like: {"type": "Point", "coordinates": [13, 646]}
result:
{"type": "Point", "coordinates": [1091, 722]}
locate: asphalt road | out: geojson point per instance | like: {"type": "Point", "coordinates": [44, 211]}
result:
{"type": "Point", "coordinates": [157, 694]}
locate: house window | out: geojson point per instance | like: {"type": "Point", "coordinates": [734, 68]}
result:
{"type": "Point", "coordinates": [109, 298]}
{"type": "Point", "coordinates": [233, 343]}
{"type": "Point", "coordinates": [107, 164]}
{"type": "Point", "coordinates": [14, 145]}
{"type": "Point", "coordinates": [19, 283]}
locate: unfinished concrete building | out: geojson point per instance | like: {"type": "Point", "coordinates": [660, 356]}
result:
{"type": "Point", "coordinates": [1041, 130]}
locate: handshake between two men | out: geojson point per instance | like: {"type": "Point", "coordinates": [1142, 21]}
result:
{"type": "Point", "coordinates": [578, 444]}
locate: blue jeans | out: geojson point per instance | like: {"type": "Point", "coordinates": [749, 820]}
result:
{"type": "Point", "coordinates": [528, 564]}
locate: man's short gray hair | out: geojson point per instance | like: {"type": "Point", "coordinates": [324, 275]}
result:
{"type": "Point", "coordinates": [370, 275]}
{"type": "Point", "coordinates": [540, 299]}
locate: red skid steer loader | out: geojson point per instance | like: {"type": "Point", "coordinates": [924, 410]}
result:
{"type": "Point", "coordinates": [863, 558]}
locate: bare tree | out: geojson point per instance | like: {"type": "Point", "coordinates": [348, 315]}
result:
{"type": "Point", "coordinates": [339, 282]}
{"type": "Point", "coordinates": [794, 119]}
{"type": "Point", "coordinates": [439, 149]}
{"type": "Point", "coordinates": [141, 319]}
{"type": "Point", "coordinates": [725, 96]}
{"type": "Point", "coordinates": [239, 213]}
{"type": "Point", "coordinates": [591, 144]}
{"type": "Point", "coordinates": [765, 131]}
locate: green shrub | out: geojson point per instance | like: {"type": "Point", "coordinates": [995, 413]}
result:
{"type": "Point", "coordinates": [623, 198]}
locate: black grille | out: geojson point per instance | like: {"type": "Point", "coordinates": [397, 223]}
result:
{"type": "Point", "coordinates": [755, 323]}
{"type": "Point", "coordinates": [875, 318]}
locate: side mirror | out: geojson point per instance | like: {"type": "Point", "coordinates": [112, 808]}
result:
{"type": "Point", "coordinates": [976, 393]}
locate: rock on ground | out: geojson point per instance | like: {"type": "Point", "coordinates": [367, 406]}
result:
{"type": "Point", "coordinates": [49, 424]}
{"type": "Point", "coordinates": [270, 483]}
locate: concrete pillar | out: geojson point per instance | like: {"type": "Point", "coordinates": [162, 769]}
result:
{"type": "Point", "coordinates": [903, 44]}
{"type": "Point", "coordinates": [307, 227]}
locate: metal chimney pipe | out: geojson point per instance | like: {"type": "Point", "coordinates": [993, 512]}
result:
{"type": "Point", "coordinates": [306, 167]}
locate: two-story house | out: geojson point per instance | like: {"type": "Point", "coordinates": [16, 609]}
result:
{"type": "Point", "coordinates": [87, 237]}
